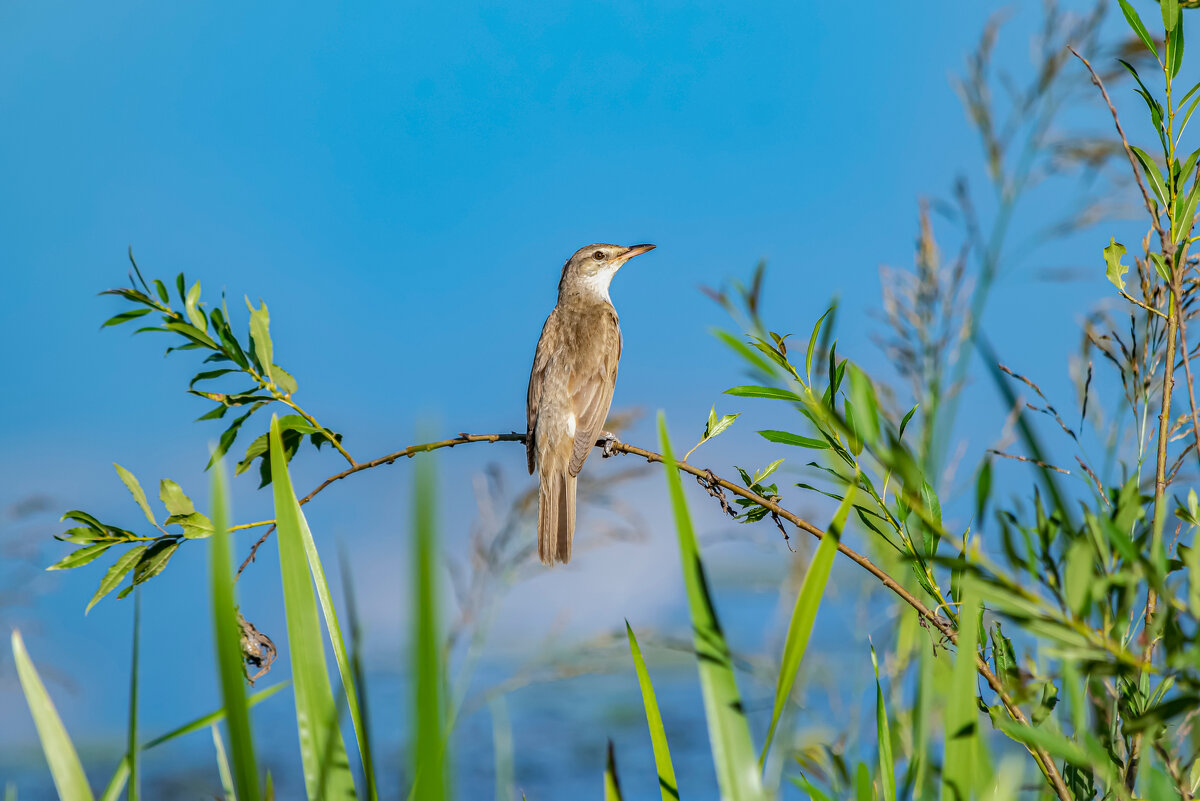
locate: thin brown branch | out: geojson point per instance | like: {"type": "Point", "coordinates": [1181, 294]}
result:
{"type": "Point", "coordinates": [1030, 461]}
{"type": "Point", "coordinates": [712, 481]}
{"type": "Point", "coordinates": [1187, 372]}
{"type": "Point", "coordinates": [1137, 173]}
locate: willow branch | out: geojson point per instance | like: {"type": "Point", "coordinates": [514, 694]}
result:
{"type": "Point", "coordinates": [945, 627]}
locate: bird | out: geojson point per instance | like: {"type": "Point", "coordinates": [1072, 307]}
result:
{"type": "Point", "coordinates": [571, 388]}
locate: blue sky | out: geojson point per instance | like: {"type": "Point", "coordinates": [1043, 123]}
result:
{"type": "Point", "coordinates": [401, 185]}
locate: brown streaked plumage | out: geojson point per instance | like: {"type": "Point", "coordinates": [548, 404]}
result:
{"type": "Point", "coordinates": [571, 388]}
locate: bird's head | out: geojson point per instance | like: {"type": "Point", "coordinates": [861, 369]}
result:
{"type": "Point", "coordinates": [590, 270]}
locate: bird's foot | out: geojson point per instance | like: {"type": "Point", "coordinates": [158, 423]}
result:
{"type": "Point", "coordinates": [609, 440]}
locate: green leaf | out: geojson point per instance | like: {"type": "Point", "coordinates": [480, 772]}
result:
{"type": "Point", "coordinates": [738, 775]}
{"type": "Point", "coordinates": [1160, 267]}
{"type": "Point", "coordinates": [804, 614]}
{"type": "Point", "coordinates": [284, 380]}
{"type": "Point", "coordinates": [65, 767]}
{"type": "Point", "coordinates": [80, 556]}
{"type": "Point", "coordinates": [1079, 576]}
{"type": "Point", "coordinates": [322, 751]}
{"type": "Point", "coordinates": [963, 743]}
{"type": "Point", "coordinates": [227, 635]}
{"type": "Point", "coordinates": [195, 526]}
{"type": "Point", "coordinates": [125, 317]}
{"type": "Point", "coordinates": [887, 766]}
{"type": "Point", "coordinates": [116, 573]}
{"type": "Point", "coordinates": [772, 393]}
{"type": "Point", "coordinates": [743, 350]}
{"type": "Point", "coordinates": [866, 405]}
{"type": "Point", "coordinates": [767, 471]}
{"type": "Point", "coordinates": [1186, 209]}
{"type": "Point", "coordinates": [667, 784]}
{"type": "Point", "coordinates": [154, 561]}
{"type": "Point", "coordinates": [1115, 270]}
{"type": "Point", "coordinates": [260, 321]}
{"type": "Point", "coordinates": [223, 765]}
{"type": "Point", "coordinates": [1170, 14]}
{"type": "Point", "coordinates": [135, 489]}
{"type": "Point", "coordinates": [715, 426]}
{"type": "Point", "coordinates": [904, 422]}
{"type": "Point", "coordinates": [1135, 22]}
{"type": "Point", "coordinates": [812, 344]}
{"type": "Point", "coordinates": [1176, 40]}
{"type": "Point", "coordinates": [1153, 176]}
{"type": "Point", "coordinates": [288, 514]}
{"type": "Point", "coordinates": [192, 333]}
{"type": "Point", "coordinates": [189, 305]}
{"type": "Point", "coordinates": [787, 438]}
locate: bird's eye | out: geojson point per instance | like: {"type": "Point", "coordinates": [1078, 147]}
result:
{"type": "Point", "coordinates": [598, 255]}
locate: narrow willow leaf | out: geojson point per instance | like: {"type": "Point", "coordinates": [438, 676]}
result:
{"type": "Point", "coordinates": [1176, 39]}
{"type": "Point", "coordinates": [135, 489]}
{"type": "Point", "coordinates": [65, 767]}
{"type": "Point", "coordinates": [322, 751]}
{"type": "Point", "coordinates": [1135, 22]}
{"type": "Point", "coordinates": [1153, 176]}
{"type": "Point", "coordinates": [125, 317]}
{"type": "Point", "coordinates": [1160, 266]}
{"type": "Point", "coordinates": [612, 787]}
{"type": "Point", "coordinates": [260, 321]}
{"type": "Point", "coordinates": [116, 573]}
{"type": "Point", "coordinates": [667, 784]}
{"type": "Point", "coordinates": [154, 560]}
{"type": "Point", "coordinates": [962, 713]}
{"type": "Point", "coordinates": [788, 438]}
{"type": "Point", "coordinates": [80, 556]}
{"type": "Point", "coordinates": [1115, 270]}
{"type": "Point", "coordinates": [227, 637]}
{"type": "Point", "coordinates": [804, 613]}
{"type": "Point", "coordinates": [772, 393]}
{"type": "Point", "coordinates": [743, 350]}
{"type": "Point", "coordinates": [812, 344]}
{"type": "Point", "coordinates": [116, 784]}
{"type": "Point", "coordinates": [192, 333]}
{"type": "Point", "coordinates": [738, 774]}
{"type": "Point", "coordinates": [1170, 14]}
{"type": "Point", "coordinates": [294, 515]}
{"type": "Point", "coordinates": [887, 766]}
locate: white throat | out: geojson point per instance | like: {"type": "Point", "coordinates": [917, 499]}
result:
{"type": "Point", "coordinates": [597, 285]}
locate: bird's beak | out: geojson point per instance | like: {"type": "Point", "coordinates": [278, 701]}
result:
{"type": "Point", "coordinates": [635, 250]}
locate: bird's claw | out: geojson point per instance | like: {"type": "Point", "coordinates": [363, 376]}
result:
{"type": "Point", "coordinates": [609, 440]}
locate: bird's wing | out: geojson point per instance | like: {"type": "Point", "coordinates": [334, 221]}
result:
{"type": "Point", "coordinates": [592, 391]}
{"type": "Point", "coordinates": [537, 375]}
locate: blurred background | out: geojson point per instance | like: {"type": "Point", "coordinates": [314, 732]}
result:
{"type": "Point", "coordinates": [401, 184]}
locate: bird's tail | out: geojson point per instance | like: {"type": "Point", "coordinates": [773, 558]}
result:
{"type": "Point", "coordinates": [556, 516]}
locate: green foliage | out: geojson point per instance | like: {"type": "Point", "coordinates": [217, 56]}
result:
{"type": "Point", "coordinates": [667, 784]}
{"type": "Point", "coordinates": [729, 734]}
{"type": "Point", "coordinates": [65, 767]}
{"type": "Point", "coordinates": [227, 638]}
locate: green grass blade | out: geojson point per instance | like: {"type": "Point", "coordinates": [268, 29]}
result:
{"type": "Point", "coordinates": [322, 752]}
{"type": "Point", "coordinates": [358, 709]}
{"type": "Point", "coordinates": [667, 784]}
{"type": "Point", "coordinates": [117, 783]}
{"type": "Point", "coordinates": [131, 746]}
{"type": "Point", "coordinates": [612, 787]}
{"type": "Point", "coordinates": [428, 734]}
{"type": "Point", "coordinates": [962, 711]}
{"type": "Point", "coordinates": [223, 765]}
{"type": "Point", "coordinates": [887, 765]}
{"type": "Point", "coordinates": [286, 496]}
{"type": "Point", "coordinates": [729, 735]}
{"type": "Point", "coordinates": [65, 767]}
{"type": "Point", "coordinates": [228, 644]}
{"type": "Point", "coordinates": [804, 614]}
{"type": "Point", "coordinates": [205, 721]}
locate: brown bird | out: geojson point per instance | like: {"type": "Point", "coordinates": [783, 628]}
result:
{"type": "Point", "coordinates": [571, 388]}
